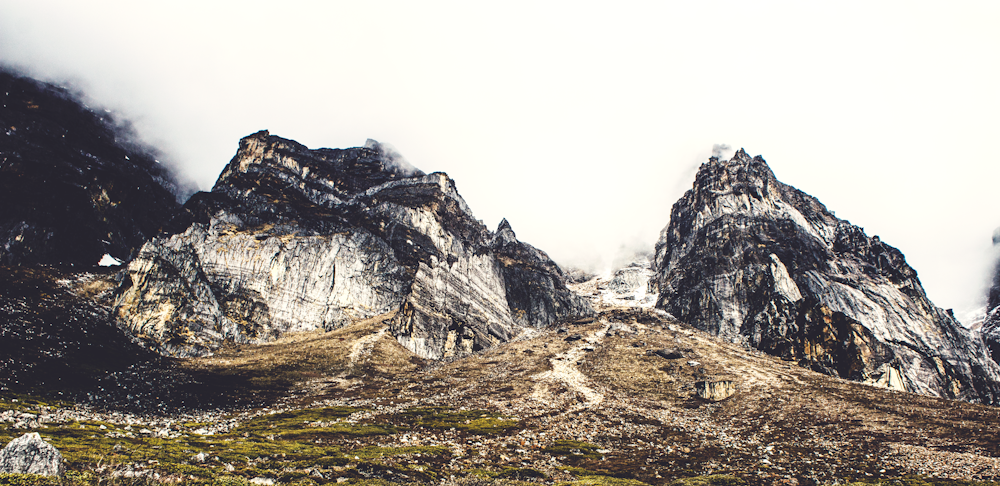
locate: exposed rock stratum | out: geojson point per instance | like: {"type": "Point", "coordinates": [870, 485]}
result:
{"type": "Point", "coordinates": [750, 259]}
{"type": "Point", "coordinates": [293, 239]}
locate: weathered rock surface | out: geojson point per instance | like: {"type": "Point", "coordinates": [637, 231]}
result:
{"type": "Point", "coordinates": [73, 186]}
{"type": "Point", "coordinates": [29, 454]}
{"type": "Point", "coordinates": [751, 259]}
{"type": "Point", "coordinates": [991, 325]}
{"type": "Point", "coordinates": [292, 239]}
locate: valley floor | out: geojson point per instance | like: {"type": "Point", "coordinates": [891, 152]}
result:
{"type": "Point", "coordinates": [628, 397]}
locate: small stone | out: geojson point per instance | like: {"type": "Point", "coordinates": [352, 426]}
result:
{"type": "Point", "coordinates": [668, 353]}
{"type": "Point", "coordinates": [574, 337]}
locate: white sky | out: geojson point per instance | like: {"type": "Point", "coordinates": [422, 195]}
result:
{"type": "Point", "coordinates": [580, 122]}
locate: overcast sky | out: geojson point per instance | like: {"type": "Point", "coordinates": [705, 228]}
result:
{"type": "Point", "coordinates": [579, 122]}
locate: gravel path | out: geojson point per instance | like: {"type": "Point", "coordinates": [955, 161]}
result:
{"type": "Point", "coordinates": [564, 371]}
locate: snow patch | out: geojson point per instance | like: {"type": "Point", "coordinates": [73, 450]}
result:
{"type": "Point", "coordinates": [109, 261]}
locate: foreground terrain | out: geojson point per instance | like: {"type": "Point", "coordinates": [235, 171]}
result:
{"type": "Point", "coordinates": [630, 396]}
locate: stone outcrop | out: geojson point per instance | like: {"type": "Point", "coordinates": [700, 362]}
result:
{"type": "Point", "coordinates": [753, 260]}
{"type": "Point", "coordinates": [293, 239]}
{"type": "Point", "coordinates": [991, 325]}
{"type": "Point", "coordinates": [74, 186]}
{"type": "Point", "coordinates": [29, 454]}
{"type": "Point", "coordinates": [714, 391]}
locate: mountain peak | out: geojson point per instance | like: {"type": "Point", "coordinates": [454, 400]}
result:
{"type": "Point", "coordinates": [741, 155]}
{"type": "Point", "coordinates": [754, 260]}
{"type": "Point", "coordinates": [292, 239]}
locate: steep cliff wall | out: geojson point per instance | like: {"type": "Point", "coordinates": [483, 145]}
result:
{"type": "Point", "coordinates": [292, 239]}
{"type": "Point", "coordinates": [751, 259]}
{"type": "Point", "coordinates": [73, 186]}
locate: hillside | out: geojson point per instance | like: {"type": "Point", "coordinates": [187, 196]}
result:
{"type": "Point", "coordinates": [616, 396]}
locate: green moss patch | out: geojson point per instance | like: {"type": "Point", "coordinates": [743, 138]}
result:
{"type": "Point", "coordinates": [27, 480]}
{"type": "Point", "coordinates": [712, 480]}
{"type": "Point", "coordinates": [572, 448]}
{"type": "Point", "coordinates": [476, 422]}
{"type": "Point", "coordinates": [922, 481]}
{"type": "Point", "coordinates": [373, 452]}
{"type": "Point", "coordinates": [603, 481]}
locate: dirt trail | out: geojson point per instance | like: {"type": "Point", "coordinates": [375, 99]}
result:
{"type": "Point", "coordinates": [364, 346]}
{"type": "Point", "coordinates": [564, 370]}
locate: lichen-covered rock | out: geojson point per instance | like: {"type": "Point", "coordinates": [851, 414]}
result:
{"type": "Point", "coordinates": [292, 239]}
{"type": "Point", "coordinates": [29, 454]}
{"type": "Point", "coordinates": [74, 186]}
{"type": "Point", "coordinates": [750, 259]}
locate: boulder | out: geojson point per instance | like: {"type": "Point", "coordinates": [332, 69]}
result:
{"type": "Point", "coordinates": [29, 454]}
{"type": "Point", "coordinates": [669, 353]}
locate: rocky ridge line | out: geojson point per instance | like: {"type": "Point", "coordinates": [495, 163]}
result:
{"type": "Point", "coordinates": [292, 239]}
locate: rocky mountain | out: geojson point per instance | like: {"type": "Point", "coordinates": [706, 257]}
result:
{"type": "Point", "coordinates": [991, 325]}
{"type": "Point", "coordinates": [74, 185]}
{"type": "Point", "coordinates": [750, 259]}
{"type": "Point", "coordinates": [293, 239]}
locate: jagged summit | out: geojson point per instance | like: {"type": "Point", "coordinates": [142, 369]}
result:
{"type": "Point", "coordinates": [751, 259]}
{"type": "Point", "coordinates": [294, 239]}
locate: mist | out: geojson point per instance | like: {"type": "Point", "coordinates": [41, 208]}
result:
{"type": "Point", "coordinates": [581, 124]}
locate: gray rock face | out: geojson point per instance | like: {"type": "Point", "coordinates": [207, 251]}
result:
{"type": "Point", "coordinates": [29, 454]}
{"type": "Point", "coordinates": [991, 326]}
{"type": "Point", "coordinates": [292, 239]}
{"type": "Point", "coordinates": [750, 259]}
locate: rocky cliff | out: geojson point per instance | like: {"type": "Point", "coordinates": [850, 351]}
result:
{"type": "Point", "coordinates": [293, 239]}
{"type": "Point", "coordinates": [74, 186]}
{"type": "Point", "coordinates": [991, 325]}
{"type": "Point", "coordinates": [751, 259]}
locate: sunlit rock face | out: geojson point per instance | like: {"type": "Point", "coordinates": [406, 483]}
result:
{"type": "Point", "coordinates": [293, 239]}
{"type": "Point", "coordinates": [991, 325]}
{"type": "Point", "coordinates": [73, 185]}
{"type": "Point", "coordinates": [750, 259]}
